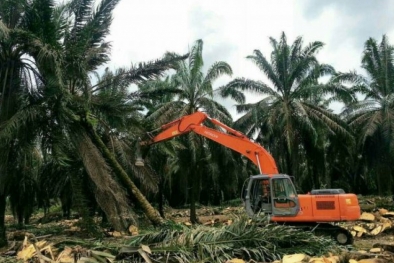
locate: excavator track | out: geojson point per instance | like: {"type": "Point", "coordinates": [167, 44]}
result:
{"type": "Point", "coordinates": [341, 235]}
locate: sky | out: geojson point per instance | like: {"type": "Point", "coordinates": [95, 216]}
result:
{"type": "Point", "coordinates": [144, 30]}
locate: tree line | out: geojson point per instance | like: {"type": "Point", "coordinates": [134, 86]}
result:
{"type": "Point", "coordinates": [72, 134]}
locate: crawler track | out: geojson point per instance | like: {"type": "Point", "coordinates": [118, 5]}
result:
{"type": "Point", "coordinates": [339, 234]}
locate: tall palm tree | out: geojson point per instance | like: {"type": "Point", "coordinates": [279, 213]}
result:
{"type": "Point", "coordinates": [160, 156]}
{"type": "Point", "coordinates": [372, 118]}
{"type": "Point", "coordinates": [18, 77]}
{"type": "Point", "coordinates": [286, 117]}
{"type": "Point", "coordinates": [195, 93]}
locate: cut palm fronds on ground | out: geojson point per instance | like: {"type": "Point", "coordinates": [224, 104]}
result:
{"type": "Point", "coordinates": [242, 239]}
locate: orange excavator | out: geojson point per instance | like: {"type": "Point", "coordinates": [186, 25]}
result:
{"type": "Point", "coordinates": [271, 194]}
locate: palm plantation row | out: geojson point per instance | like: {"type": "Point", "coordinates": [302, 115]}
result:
{"type": "Point", "coordinates": [68, 132]}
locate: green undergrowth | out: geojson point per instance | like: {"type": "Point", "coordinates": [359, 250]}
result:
{"type": "Point", "coordinates": [39, 230]}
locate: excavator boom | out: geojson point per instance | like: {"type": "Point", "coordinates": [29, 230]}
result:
{"type": "Point", "coordinates": [229, 137]}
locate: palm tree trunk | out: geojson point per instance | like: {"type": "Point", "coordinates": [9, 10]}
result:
{"type": "Point", "coordinates": [295, 159]}
{"type": "Point", "coordinates": [149, 210]}
{"type": "Point", "coordinates": [384, 179]}
{"type": "Point", "coordinates": [161, 196]}
{"type": "Point", "coordinates": [327, 177]}
{"type": "Point", "coordinates": [358, 170]}
{"type": "Point", "coordinates": [193, 193]}
{"type": "Point", "coordinates": [3, 238]}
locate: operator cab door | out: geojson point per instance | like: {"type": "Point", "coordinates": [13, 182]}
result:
{"type": "Point", "coordinates": [260, 195]}
{"type": "Point", "coordinates": [284, 196]}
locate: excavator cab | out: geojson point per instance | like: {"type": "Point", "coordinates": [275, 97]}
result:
{"type": "Point", "coordinates": [270, 195]}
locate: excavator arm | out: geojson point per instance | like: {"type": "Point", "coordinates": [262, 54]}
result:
{"type": "Point", "coordinates": [230, 138]}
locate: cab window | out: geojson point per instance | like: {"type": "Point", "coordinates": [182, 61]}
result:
{"type": "Point", "coordinates": [283, 187]}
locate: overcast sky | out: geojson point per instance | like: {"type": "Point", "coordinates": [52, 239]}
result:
{"type": "Point", "coordinates": [231, 30]}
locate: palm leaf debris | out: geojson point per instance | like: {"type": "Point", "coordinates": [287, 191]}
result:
{"type": "Point", "coordinates": [242, 239]}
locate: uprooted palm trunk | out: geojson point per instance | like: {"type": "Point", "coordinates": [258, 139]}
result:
{"type": "Point", "coordinates": [152, 214]}
{"type": "Point", "coordinates": [109, 195]}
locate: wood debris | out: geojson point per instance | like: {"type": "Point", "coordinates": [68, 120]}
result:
{"type": "Point", "coordinates": [133, 230]}
{"type": "Point", "coordinates": [235, 260]}
{"type": "Point", "coordinates": [295, 258]}
{"type": "Point", "coordinates": [371, 224]}
{"type": "Point", "coordinates": [43, 251]}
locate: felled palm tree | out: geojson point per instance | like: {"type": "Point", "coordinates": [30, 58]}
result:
{"type": "Point", "coordinates": [373, 117]}
{"type": "Point", "coordinates": [286, 116]}
{"type": "Point", "coordinates": [195, 93]}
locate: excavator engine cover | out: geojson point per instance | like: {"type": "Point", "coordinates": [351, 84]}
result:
{"type": "Point", "coordinates": [327, 191]}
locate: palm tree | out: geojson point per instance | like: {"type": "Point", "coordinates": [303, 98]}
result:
{"type": "Point", "coordinates": [286, 117]}
{"type": "Point", "coordinates": [18, 77]}
{"type": "Point", "coordinates": [66, 108]}
{"type": "Point", "coordinates": [372, 118]}
{"type": "Point", "coordinates": [195, 93]}
{"type": "Point", "coordinates": [160, 156]}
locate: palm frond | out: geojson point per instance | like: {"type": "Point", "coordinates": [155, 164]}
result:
{"type": "Point", "coordinates": [266, 67]}
{"type": "Point", "coordinates": [255, 117]}
{"type": "Point", "coordinates": [215, 110]}
{"type": "Point", "coordinates": [93, 33]}
{"type": "Point", "coordinates": [359, 108]}
{"type": "Point", "coordinates": [329, 120]}
{"type": "Point", "coordinates": [82, 10]}
{"type": "Point", "coordinates": [251, 85]}
{"type": "Point", "coordinates": [312, 48]}
{"type": "Point", "coordinates": [144, 71]}
{"type": "Point", "coordinates": [21, 119]}
{"type": "Point", "coordinates": [166, 112]}
{"type": "Point", "coordinates": [371, 124]}
{"type": "Point", "coordinates": [4, 30]}
{"type": "Point", "coordinates": [195, 59]}
{"type": "Point", "coordinates": [301, 116]}
{"type": "Point", "coordinates": [231, 92]}
{"type": "Point", "coordinates": [241, 239]}
{"type": "Point", "coordinates": [216, 70]}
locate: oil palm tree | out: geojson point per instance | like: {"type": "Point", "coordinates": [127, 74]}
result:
{"type": "Point", "coordinates": [195, 90]}
{"type": "Point", "coordinates": [160, 156]}
{"type": "Point", "coordinates": [66, 106]}
{"type": "Point", "coordinates": [195, 93]}
{"type": "Point", "coordinates": [372, 117]}
{"type": "Point", "coordinates": [286, 117]}
{"type": "Point", "coordinates": [18, 77]}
